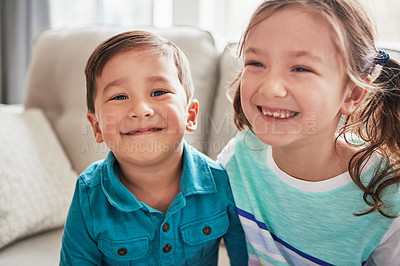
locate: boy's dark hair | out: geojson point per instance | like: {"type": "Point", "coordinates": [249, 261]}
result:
{"type": "Point", "coordinates": [134, 40]}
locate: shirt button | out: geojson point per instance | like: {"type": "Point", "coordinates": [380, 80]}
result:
{"type": "Point", "coordinates": [165, 227]}
{"type": "Point", "coordinates": [122, 251]}
{"type": "Point", "coordinates": [207, 230]}
{"type": "Point", "coordinates": [167, 248]}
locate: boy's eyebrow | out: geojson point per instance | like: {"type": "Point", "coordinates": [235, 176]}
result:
{"type": "Point", "coordinates": [158, 78]}
{"type": "Point", "coordinates": [118, 82]}
{"type": "Point", "coordinates": [112, 84]}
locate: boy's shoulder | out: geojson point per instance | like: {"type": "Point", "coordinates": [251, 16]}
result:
{"type": "Point", "coordinates": [90, 177]}
{"type": "Point", "coordinates": [199, 156]}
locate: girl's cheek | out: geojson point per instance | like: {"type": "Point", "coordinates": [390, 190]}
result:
{"type": "Point", "coordinates": [246, 88]}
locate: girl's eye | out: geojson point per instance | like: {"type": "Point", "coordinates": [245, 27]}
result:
{"type": "Point", "coordinates": [157, 93]}
{"type": "Point", "coordinates": [119, 97]}
{"type": "Point", "coordinates": [256, 64]}
{"type": "Point", "coordinates": [301, 69]}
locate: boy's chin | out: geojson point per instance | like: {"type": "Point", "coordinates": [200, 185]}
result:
{"type": "Point", "coordinates": [146, 152]}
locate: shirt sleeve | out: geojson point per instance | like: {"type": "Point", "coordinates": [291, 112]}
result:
{"type": "Point", "coordinates": [388, 251]}
{"type": "Point", "coordinates": [78, 247]}
{"type": "Point", "coordinates": [234, 239]}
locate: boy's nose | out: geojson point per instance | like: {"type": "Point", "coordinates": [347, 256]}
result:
{"type": "Point", "coordinates": [141, 109]}
{"type": "Point", "coordinates": [273, 87]}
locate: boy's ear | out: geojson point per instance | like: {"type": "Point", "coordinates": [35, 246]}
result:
{"type": "Point", "coordinates": [193, 111]}
{"type": "Point", "coordinates": [96, 127]}
{"type": "Point", "coordinates": [354, 96]}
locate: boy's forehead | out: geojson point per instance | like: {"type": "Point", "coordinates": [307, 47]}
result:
{"type": "Point", "coordinates": [141, 54]}
{"type": "Point", "coordinates": [161, 57]}
{"type": "Point", "coordinates": [147, 52]}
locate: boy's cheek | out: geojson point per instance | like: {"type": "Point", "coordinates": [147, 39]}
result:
{"type": "Point", "coordinates": [109, 124]}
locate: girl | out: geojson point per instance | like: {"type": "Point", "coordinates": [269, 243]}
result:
{"type": "Point", "coordinates": [312, 188]}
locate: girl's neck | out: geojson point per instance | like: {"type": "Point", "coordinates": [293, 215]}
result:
{"type": "Point", "coordinates": [323, 161]}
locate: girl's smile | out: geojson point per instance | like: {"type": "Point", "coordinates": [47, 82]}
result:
{"type": "Point", "coordinates": [292, 70]}
{"type": "Point", "coordinates": [276, 113]}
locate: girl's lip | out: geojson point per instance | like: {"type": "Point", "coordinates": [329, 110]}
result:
{"type": "Point", "coordinates": [142, 131]}
{"type": "Point", "coordinates": [277, 113]}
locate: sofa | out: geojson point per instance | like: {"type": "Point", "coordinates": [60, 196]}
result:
{"type": "Point", "coordinates": [46, 142]}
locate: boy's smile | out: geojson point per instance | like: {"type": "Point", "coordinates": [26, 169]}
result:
{"type": "Point", "coordinates": [141, 107]}
{"type": "Point", "coordinates": [140, 131]}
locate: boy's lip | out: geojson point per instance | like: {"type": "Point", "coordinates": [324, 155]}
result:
{"type": "Point", "coordinates": [143, 130]}
{"type": "Point", "coordinates": [277, 113]}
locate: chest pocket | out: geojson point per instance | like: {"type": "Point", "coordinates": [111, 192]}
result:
{"type": "Point", "coordinates": [123, 252]}
{"type": "Point", "coordinates": [202, 237]}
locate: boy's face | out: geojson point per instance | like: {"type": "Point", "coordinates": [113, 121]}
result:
{"type": "Point", "coordinates": [141, 107]}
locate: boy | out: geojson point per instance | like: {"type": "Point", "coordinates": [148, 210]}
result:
{"type": "Point", "coordinates": [154, 200]}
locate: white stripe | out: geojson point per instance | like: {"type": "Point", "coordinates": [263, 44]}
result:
{"type": "Point", "coordinates": [265, 236]}
{"type": "Point", "coordinates": [254, 225]}
{"type": "Point", "coordinates": [267, 253]}
{"type": "Point", "coordinates": [259, 261]}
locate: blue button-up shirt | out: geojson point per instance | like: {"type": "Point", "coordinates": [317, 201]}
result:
{"type": "Point", "coordinates": [107, 225]}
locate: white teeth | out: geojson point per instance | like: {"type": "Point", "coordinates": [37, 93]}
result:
{"type": "Point", "coordinates": [267, 113]}
{"type": "Point", "coordinates": [276, 115]}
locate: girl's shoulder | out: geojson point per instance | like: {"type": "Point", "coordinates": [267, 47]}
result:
{"type": "Point", "coordinates": [245, 143]}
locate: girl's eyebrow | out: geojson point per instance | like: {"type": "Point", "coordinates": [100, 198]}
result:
{"type": "Point", "coordinates": [295, 54]}
{"type": "Point", "coordinates": [306, 54]}
{"type": "Point", "coordinates": [251, 50]}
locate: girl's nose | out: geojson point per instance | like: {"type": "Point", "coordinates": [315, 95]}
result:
{"type": "Point", "coordinates": [141, 109]}
{"type": "Point", "coordinates": [272, 87]}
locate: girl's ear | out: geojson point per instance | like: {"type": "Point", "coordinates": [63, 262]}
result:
{"type": "Point", "coordinates": [354, 97]}
{"type": "Point", "coordinates": [193, 111]}
{"type": "Point", "coordinates": [95, 126]}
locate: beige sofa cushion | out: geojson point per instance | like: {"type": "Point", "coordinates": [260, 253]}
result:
{"type": "Point", "coordinates": [56, 82]}
{"type": "Point", "coordinates": [36, 177]}
{"type": "Point", "coordinates": [221, 126]}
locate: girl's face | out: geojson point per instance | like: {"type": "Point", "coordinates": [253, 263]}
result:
{"type": "Point", "coordinates": [292, 86]}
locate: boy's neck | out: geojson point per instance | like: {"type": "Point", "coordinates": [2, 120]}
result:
{"type": "Point", "coordinates": [155, 185]}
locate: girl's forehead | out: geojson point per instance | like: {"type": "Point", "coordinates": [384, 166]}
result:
{"type": "Point", "coordinates": [294, 27]}
{"type": "Point", "coordinates": [299, 17]}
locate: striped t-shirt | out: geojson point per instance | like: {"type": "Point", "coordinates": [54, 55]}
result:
{"type": "Point", "coordinates": [288, 221]}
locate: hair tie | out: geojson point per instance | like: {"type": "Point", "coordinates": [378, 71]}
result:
{"type": "Point", "coordinates": [382, 58]}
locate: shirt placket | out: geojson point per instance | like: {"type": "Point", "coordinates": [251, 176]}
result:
{"type": "Point", "coordinates": [169, 231]}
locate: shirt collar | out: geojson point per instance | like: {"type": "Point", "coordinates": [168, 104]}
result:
{"type": "Point", "coordinates": [117, 194]}
{"type": "Point", "coordinates": [196, 178]}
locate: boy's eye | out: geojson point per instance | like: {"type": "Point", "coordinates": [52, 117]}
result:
{"type": "Point", "coordinates": [158, 93]}
{"type": "Point", "coordinates": [119, 97]}
{"type": "Point", "coordinates": [301, 69]}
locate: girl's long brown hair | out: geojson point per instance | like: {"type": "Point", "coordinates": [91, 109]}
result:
{"type": "Point", "coordinates": [377, 120]}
